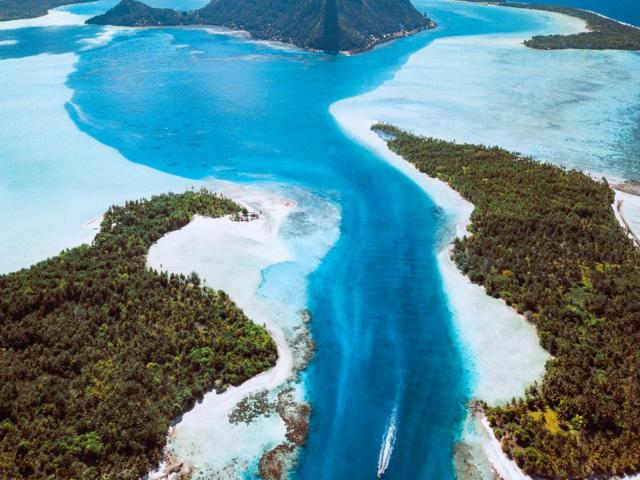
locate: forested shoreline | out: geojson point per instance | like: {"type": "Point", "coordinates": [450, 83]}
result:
{"type": "Point", "coordinates": [603, 33]}
{"type": "Point", "coordinates": [546, 241]}
{"type": "Point", "coordinates": [98, 354]}
{"type": "Point", "coordinates": [19, 9]}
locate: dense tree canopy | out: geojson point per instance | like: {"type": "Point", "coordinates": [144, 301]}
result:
{"type": "Point", "coordinates": [98, 354]}
{"type": "Point", "coordinates": [546, 241]}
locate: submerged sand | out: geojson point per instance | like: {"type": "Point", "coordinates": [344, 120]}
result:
{"type": "Point", "coordinates": [239, 257]}
{"type": "Point", "coordinates": [230, 255]}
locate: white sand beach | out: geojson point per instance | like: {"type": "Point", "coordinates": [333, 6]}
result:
{"type": "Point", "coordinates": [232, 256]}
{"type": "Point", "coordinates": [262, 264]}
{"type": "Point", "coordinates": [626, 207]}
{"type": "Point", "coordinates": [436, 93]}
{"type": "Point", "coordinates": [501, 346]}
{"type": "Point", "coordinates": [502, 349]}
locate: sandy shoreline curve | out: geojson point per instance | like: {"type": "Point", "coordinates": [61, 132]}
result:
{"type": "Point", "coordinates": [499, 370]}
{"type": "Point", "coordinates": [230, 256]}
{"type": "Point", "coordinates": [482, 322]}
{"type": "Point", "coordinates": [356, 117]}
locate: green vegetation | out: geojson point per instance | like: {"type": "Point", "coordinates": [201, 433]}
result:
{"type": "Point", "coordinates": [546, 241]}
{"type": "Point", "coordinates": [98, 354]}
{"type": "Point", "coordinates": [328, 25]}
{"type": "Point", "coordinates": [16, 9]}
{"type": "Point", "coordinates": [603, 34]}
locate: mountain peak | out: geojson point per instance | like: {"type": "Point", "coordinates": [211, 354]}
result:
{"type": "Point", "coordinates": [327, 25]}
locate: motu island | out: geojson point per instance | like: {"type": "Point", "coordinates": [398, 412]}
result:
{"type": "Point", "coordinates": [602, 33]}
{"type": "Point", "coordinates": [100, 354]}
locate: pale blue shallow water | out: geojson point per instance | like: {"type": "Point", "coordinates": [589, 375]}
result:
{"type": "Point", "coordinates": [195, 103]}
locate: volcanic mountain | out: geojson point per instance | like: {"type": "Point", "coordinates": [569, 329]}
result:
{"type": "Point", "coordinates": [327, 25]}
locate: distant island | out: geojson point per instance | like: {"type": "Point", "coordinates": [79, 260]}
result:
{"type": "Point", "coordinates": [18, 9]}
{"type": "Point", "coordinates": [98, 354]}
{"type": "Point", "coordinates": [546, 241]}
{"type": "Point", "coordinates": [604, 33]}
{"type": "Point", "coordinates": [329, 25]}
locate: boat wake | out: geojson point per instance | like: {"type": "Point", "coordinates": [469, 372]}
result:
{"type": "Point", "coordinates": [388, 441]}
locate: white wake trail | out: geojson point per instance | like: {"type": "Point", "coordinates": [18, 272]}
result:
{"type": "Point", "coordinates": [388, 441]}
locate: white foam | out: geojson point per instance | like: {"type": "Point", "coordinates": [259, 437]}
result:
{"type": "Point", "coordinates": [388, 443]}
{"type": "Point", "coordinates": [104, 36]}
{"type": "Point", "coordinates": [53, 18]}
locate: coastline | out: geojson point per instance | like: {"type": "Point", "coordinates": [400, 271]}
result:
{"type": "Point", "coordinates": [480, 320]}
{"type": "Point", "coordinates": [478, 445]}
{"type": "Point", "coordinates": [498, 371]}
{"type": "Point", "coordinates": [77, 225]}
{"type": "Point", "coordinates": [229, 255]}
{"type": "Point", "coordinates": [261, 423]}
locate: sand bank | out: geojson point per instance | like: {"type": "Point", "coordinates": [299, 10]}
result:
{"type": "Point", "coordinates": [232, 256]}
{"type": "Point", "coordinates": [77, 188]}
{"type": "Point", "coordinates": [496, 81]}
{"type": "Point", "coordinates": [502, 349]}
{"type": "Point", "coordinates": [77, 179]}
{"type": "Point", "coordinates": [492, 90]}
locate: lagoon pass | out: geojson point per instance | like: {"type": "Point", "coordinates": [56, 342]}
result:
{"type": "Point", "coordinates": [94, 116]}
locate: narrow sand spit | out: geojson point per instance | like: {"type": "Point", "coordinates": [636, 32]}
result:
{"type": "Point", "coordinates": [501, 347]}
{"type": "Point", "coordinates": [230, 255]}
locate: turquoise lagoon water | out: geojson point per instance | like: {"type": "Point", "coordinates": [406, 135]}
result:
{"type": "Point", "coordinates": [197, 103]}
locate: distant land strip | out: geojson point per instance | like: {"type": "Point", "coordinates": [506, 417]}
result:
{"type": "Point", "coordinates": [19, 9]}
{"type": "Point", "coordinates": [546, 240]}
{"type": "Point", "coordinates": [604, 33]}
